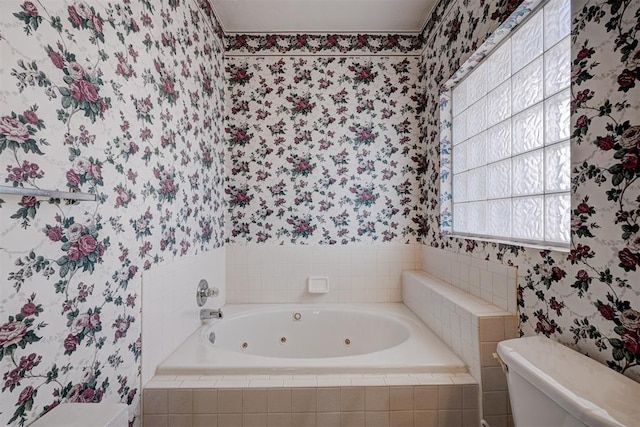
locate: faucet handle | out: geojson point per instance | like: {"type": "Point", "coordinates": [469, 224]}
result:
{"type": "Point", "coordinates": [204, 291]}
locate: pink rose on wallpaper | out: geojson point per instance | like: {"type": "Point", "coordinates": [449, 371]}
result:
{"type": "Point", "coordinates": [97, 24]}
{"type": "Point", "coordinates": [13, 130]}
{"type": "Point", "coordinates": [86, 244]}
{"type": "Point", "coordinates": [74, 232]}
{"type": "Point", "coordinates": [25, 395]}
{"type": "Point", "coordinates": [630, 319]}
{"type": "Point", "coordinates": [28, 309]}
{"type": "Point", "coordinates": [73, 253]}
{"type": "Point", "coordinates": [30, 117]}
{"type": "Point", "coordinates": [28, 201]}
{"type": "Point", "coordinates": [28, 362]}
{"type": "Point", "coordinates": [11, 333]}
{"type": "Point", "coordinates": [626, 79]}
{"type": "Point", "coordinates": [167, 186]}
{"type": "Point", "coordinates": [56, 58]}
{"type": "Point", "coordinates": [73, 16]}
{"type": "Point", "coordinates": [583, 208]}
{"type": "Point", "coordinates": [582, 121]}
{"type": "Point", "coordinates": [73, 179]}
{"type": "Point", "coordinates": [88, 91]}
{"type": "Point", "coordinates": [167, 86]}
{"type": "Point", "coordinates": [630, 342]}
{"type": "Point", "coordinates": [606, 143]}
{"type": "Point", "coordinates": [75, 70]}
{"type": "Point", "coordinates": [30, 8]}
{"type": "Point", "coordinates": [630, 138]}
{"type": "Point", "coordinates": [630, 161]}
{"type": "Point", "coordinates": [80, 165]}
{"type": "Point", "coordinates": [633, 242]}
{"type": "Point", "coordinates": [606, 311]}
{"type": "Point", "coordinates": [83, 90]}
{"type": "Point", "coordinates": [74, 393]}
{"type": "Point", "coordinates": [76, 90]}
{"type": "Point", "coordinates": [94, 320]}
{"type": "Point", "coordinates": [54, 234]}
{"type": "Point", "coordinates": [95, 171]}
{"type": "Point", "coordinates": [86, 396]}
{"type": "Point", "coordinates": [583, 54]}
{"type": "Point", "coordinates": [84, 11]}
{"type": "Point", "coordinates": [70, 342]}
{"type": "Point", "coordinates": [80, 322]}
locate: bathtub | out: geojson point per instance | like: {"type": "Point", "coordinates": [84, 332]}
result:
{"type": "Point", "coordinates": [312, 339]}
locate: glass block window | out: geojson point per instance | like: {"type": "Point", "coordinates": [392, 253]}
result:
{"type": "Point", "coordinates": [510, 129]}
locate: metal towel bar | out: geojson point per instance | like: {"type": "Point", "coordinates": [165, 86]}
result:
{"type": "Point", "coordinates": [67, 195]}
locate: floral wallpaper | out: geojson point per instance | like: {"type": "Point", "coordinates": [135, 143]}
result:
{"type": "Point", "coordinates": [243, 44]}
{"type": "Point", "coordinates": [124, 100]}
{"type": "Point", "coordinates": [322, 150]}
{"type": "Point", "coordinates": [588, 298]}
{"type": "Point", "coordinates": [133, 102]}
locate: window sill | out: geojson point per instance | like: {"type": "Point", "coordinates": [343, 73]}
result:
{"type": "Point", "coordinates": [522, 244]}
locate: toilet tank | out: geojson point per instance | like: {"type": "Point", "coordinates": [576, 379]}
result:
{"type": "Point", "coordinates": [553, 385]}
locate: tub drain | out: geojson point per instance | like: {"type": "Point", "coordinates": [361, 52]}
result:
{"type": "Point", "coordinates": [347, 342]}
{"type": "Point", "coordinates": [244, 345]}
{"type": "Point", "coordinates": [283, 340]}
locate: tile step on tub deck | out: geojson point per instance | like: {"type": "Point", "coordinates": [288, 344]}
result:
{"type": "Point", "coordinates": [292, 381]}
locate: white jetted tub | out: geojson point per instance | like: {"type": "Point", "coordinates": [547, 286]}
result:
{"type": "Point", "coordinates": [312, 339]}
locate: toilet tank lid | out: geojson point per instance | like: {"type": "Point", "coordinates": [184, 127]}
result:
{"type": "Point", "coordinates": [589, 390]}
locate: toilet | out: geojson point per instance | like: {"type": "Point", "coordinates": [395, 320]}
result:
{"type": "Point", "coordinates": [551, 385]}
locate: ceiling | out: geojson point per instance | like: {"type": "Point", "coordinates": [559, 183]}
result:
{"type": "Point", "coordinates": [325, 16]}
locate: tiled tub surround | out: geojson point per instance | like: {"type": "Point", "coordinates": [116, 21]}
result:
{"type": "Point", "coordinates": [472, 328]}
{"type": "Point", "coordinates": [312, 401]}
{"type": "Point", "coordinates": [263, 273]}
{"type": "Point", "coordinates": [169, 311]}
{"type": "Point", "coordinates": [382, 339]}
{"type": "Point", "coordinates": [493, 282]}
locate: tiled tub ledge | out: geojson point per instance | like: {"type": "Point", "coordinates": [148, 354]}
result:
{"type": "Point", "coordinates": [472, 328]}
{"type": "Point", "coordinates": [425, 400]}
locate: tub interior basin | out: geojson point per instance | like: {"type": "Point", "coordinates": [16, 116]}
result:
{"type": "Point", "coordinates": [308, 333]}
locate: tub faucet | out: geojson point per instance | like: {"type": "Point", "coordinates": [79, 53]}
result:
{"type": "Point", "coordinates": [208, 313]}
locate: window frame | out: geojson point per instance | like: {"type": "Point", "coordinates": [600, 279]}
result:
{"type": "Point", "coordinates": [521, 15]}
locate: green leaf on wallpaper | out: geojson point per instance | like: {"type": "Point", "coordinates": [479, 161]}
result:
{"type": "Point", "coordinates": [55, 23]}
{"type": "Point", "coordinates": [52, 374]}
{"type": "Point", "coordinates": [617, 353]}
{"type": "Point", "coordinates": [617, 168]}
{"type": "Point", "coordinates": [605, 109]}
{"type": "Point", "coordinates": [64, 270]}
{"type": "Point", "coordinates": [617, 179]}
{"type": "Point", "coordinates": [619, 329]}
{"type": "Point", "coordinates": [60, 286]}
{"type": "Point", "coordinates": [616, 343]}
{"type": "Point", "coordinates": [613, 195]}
{"type": "Point", "coordinates": [606, 276]}
{"type": "Point", "coordinates": [66, 102]}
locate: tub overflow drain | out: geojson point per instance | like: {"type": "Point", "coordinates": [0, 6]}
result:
{"type": "Point", "coordinates": [244, 345]}
{"type": "Point", "coordinates": [297, 316]}
{"type": "Point", "coordinates": [283, 340]}
{"type": "Point", "coordinates": [347, 342]}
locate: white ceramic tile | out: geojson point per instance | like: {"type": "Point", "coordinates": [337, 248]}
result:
{"type": "Point", "coordinates": [394, 381]}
